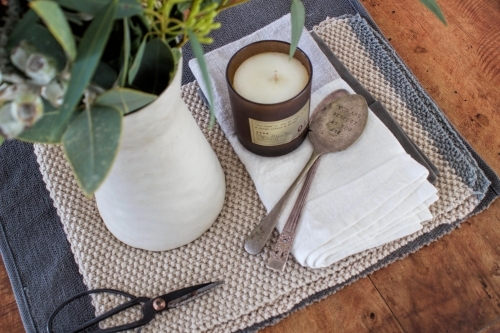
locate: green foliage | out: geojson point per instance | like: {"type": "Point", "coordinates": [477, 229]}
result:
{"type": "Point", "coordinates": [125, 8]}
{"type": "Point", "coordinates": [91, 7]}
{"type": "Point", "coordinates": [156, 67]}
{"type": "Point", "coordinates": [434, 7]}
{"type": "Point", "coordinates": [128, 8]}
{"type": "Point", "coordinates": [102, 59]}
{"type": "Point", "coordinates": [298, 14]}
{"type": "Point", "coordinates": [89, 54]}
{"type": "Point", "coordinates": [183, 6]}
{"type": "Point", "coordinates": [26, 22]}
{"type": "Point", "coordinates": [47, 130]}
{"type": "Point", "coordinates": [91, 144]}
{"type": "Point", "coordinates": [136, 63]}
{"type": "Point", "coordinates": [124, 99]}
{"type": "Point", "coordinates": [41, 38]}
{"type": "Point", "coordinates": [104, 76]}
{"type": "Point", "coordinates": [198, 52]}
{"type": "Point", "coordinates": [125, 57]}
{"type": "Point", "coordinates": [54, 19]}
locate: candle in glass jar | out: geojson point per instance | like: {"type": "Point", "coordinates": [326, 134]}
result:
{"type": "Point", "coordinates": [270, 77]}
{"type": "Point", "coordinates": [270, 96]}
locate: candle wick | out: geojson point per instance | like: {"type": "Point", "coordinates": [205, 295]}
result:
{"type": "Point", "coordinates": [275, 76]}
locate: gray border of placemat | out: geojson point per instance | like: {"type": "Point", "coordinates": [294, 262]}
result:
{"type": "Point", "coordinates": [43, 252]}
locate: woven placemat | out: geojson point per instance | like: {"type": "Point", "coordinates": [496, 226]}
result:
{"type": "Point", "coordinates": [252, 295]}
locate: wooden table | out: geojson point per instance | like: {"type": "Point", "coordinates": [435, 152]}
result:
{"type": "Point", "coordinates": [453, 285]}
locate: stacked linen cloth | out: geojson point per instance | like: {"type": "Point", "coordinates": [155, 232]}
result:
{"type": "Point", "coordinates": [363, 197]}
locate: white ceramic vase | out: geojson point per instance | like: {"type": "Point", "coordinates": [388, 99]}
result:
{"type": "Point", "coordinates": [166, 186]}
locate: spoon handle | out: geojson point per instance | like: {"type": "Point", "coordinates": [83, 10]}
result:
{"type": "Point", "coordinates": [281, 250]}
{"type": "Point", "coordinates": [261, 233]}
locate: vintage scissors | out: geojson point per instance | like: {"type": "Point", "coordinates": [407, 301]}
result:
{"type": "Point", "coordinates": [150, 306]}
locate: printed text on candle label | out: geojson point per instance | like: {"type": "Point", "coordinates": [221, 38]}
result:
{"type": "Point", "coordinates": [279, 132]}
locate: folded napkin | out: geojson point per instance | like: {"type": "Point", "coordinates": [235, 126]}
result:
{"type": "Point", "coordinates": [363, 197]}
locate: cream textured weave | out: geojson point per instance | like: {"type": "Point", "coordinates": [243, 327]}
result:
{"type": "Point", "coordinates": [251, 293]}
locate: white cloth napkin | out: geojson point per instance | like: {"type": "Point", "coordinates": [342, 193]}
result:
{"type": "Point", "coordinates": [363, 197]}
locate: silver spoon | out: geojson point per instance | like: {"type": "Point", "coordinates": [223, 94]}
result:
{"type": "Point", "coordinates": [281, 250]}
{"type": "Point", "coordinates": [335, 124]}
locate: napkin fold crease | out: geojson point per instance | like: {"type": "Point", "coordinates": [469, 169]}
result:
{"type": "Point", "coordinates": [363, 197]}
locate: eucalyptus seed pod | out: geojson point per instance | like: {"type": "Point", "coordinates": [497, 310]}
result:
{"type": "Point", "coordinates": [28, 108]}
{"type": "Point", "coordinates": [13, 78]}
{"type": "Point", "coordinates": [10, 126]}
{"type": "Point", "coordinates": [41, 68]}
{"type": "Point", "coordinates": [20, 54]}
{"type": "Point", "coordinates": [9, 92]}
{"type": "Point", "coordinates": [54, 92]}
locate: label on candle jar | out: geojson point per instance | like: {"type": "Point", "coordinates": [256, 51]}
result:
{"type": "Point", "coordinates": [274, 133]}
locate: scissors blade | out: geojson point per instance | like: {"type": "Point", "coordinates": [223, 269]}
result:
{"type": "Point", "coordinates": [183, 296]}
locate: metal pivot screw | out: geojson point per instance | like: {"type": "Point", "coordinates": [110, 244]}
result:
{"type": "Point", "coordinates": [159, 304]}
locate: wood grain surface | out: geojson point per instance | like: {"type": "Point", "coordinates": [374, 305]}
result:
{"type": "Point", "coordinates": [452, 285]}
{"type": "Point", "coordinates": [10, 321]}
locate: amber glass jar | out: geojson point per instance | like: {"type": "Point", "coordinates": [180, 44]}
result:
{"type": "Point", "coordinates": [269, 129]}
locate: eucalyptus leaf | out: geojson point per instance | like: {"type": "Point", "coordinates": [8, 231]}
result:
{"type": "Point", "coordinates": [1, 140]}
{"type": "Point", "coordinates": [91, 144]}
{"type": "Point", "coordinates": [156, 68]}
{"type": "Point", "coordinates": [183, 6]}
{"type": "Point", "coordinates": [41, 38]}
{"type": "Point", "coordinates": [136, 63]}
{"type": "Point", "coordinates": [177, 54]}
{"type": "Point", "coordinates": [198, 52]}
{"type": "Point", "coordinates": [23, 27]}
{"type": "Point", "coordinates": [136, 33]}
{"type": "Point", "coordinates": [104, 76]}
{"type": "Point", "coordinates": [125, 8]}
{"type": "Point", "coordinates": [91, 7]}
{"type": "Point", "coordinates": [47, 129]}
{"type": "Point", "coordinates": [124, 99]}
{"type": "Point", "coordinates": [122, 77]}
{"type": "Point", "coordinates": [128, 8]}
{"type": "Point", "coordinates": [89, 54]}
{"type": "Point", "coordinates": [298, 14]}
{"type": "Point", "coordinates": [434, 7]}
{"type": "Point", "coordinates": [54, 19]}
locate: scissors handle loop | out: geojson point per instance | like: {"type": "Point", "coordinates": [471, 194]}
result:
{"type": "Point", "coordinates": [147, 315]}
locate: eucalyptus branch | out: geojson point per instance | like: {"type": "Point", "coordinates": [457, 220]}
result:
{"type": "Point", "coordinates": [229, 4]}
{"type": "Point", "coordinates": [183, 41]}
{"type": "Point", "coordinates": [153, 13]}
{"type": "Point", "coordinates": [176, 21]}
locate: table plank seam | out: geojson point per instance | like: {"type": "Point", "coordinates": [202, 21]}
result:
{"type": "Point", "coordinates": [387, 304]}
{"type": "Point", "coordinates": [489, 325]}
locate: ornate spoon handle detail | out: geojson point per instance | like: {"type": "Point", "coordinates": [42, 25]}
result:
{"type": "Point", "coordinates": [261, 233]}
{"type": "Point", "coordinates": [281, 250]}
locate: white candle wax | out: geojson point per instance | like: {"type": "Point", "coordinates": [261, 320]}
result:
{"type": "Point", "coordinates": [270, 77]}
